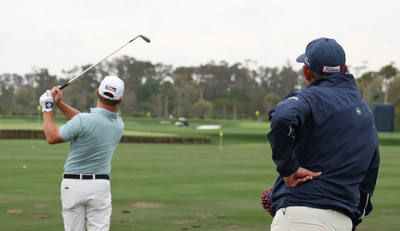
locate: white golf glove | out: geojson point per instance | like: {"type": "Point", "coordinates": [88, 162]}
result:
{"type": "Point", "coordinates": [46, 101]}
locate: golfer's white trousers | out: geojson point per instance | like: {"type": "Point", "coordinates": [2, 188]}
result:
{"type": "Point", "coordinates": [299, 218]}
{"type": "Point", "coordinates": [86, 203]}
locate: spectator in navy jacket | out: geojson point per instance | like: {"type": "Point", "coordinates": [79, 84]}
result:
{"type": "Point", "coordinates": [325, 147]}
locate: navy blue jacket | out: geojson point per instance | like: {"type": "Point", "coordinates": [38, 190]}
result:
{"type": "Point", "coordinates": [326, 128]}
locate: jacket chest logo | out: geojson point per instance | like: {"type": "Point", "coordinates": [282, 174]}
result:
{"type": "Point", "coordinates": [358, 110]}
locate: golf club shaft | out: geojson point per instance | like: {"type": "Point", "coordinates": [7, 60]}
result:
{"type": "Point", "coordinates": [76, 77]}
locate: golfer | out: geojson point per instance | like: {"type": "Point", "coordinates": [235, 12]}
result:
{"type": "Point", "coordinates": [325, 147]}
{"type": "Point", "coordinates": [85, 188]}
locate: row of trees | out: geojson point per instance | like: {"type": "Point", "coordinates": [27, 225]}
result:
{"type": "Point", "coordinates": [213, 90]}
{"type": "Point", "coordinates": [382, 86]}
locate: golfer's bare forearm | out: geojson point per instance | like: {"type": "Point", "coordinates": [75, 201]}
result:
{"type": "Point", "coordinates": [50, 129]}
{"type": "Point", "coordinates": [67, 110]}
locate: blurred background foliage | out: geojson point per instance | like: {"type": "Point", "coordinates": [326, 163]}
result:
{"type": "Point", "coordinates": [214, 90]}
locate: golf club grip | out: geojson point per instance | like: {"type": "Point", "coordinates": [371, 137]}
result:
{"type": "Point", "coordinates": [64, 85]}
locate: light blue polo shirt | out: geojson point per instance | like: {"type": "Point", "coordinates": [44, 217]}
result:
{"type": "Point", "coordinates": [94, 137]}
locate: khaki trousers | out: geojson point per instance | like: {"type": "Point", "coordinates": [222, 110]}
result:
{"type": "Point", "coordinates": [86, 203]}
{"type": "Point", "coordinates": [301, 218]}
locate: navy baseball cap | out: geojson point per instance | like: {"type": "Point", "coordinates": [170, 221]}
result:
{"type": "Point", "coordinates": [324, 56]}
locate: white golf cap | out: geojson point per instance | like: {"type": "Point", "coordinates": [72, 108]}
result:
{"type": "Point", "coordinates": [113, 85]}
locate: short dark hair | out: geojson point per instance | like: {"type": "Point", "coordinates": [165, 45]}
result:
{"type": "Point", "coordinates": [316, 75]}
{"type": "Point", "coordinates": [107, 101]}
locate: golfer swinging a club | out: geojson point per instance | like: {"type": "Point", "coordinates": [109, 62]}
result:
{"type": "Point", "coordinates": [325, 146]}
{"type": "Point", "coordinates": [85, 188]}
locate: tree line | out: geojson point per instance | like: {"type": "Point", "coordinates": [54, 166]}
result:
{"type": "Point", "coordinates": [213, 90]}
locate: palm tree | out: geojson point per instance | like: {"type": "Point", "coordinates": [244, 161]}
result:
{"type": "Point", "coordinates": [179, 90]}
{"type": "Point", "coordinates": [366, 80]}
{"type": "Point", "coordinates": [388, 72]}
{"type": "Point", "coordinates": [166, 91]}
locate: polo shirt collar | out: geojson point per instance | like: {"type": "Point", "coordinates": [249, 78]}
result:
{"type": "Point", "coordinates": [104, 112]}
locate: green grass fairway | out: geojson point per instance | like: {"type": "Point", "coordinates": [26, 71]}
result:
{"type": "Point", "coordinates": [194, 183]}
{"type": "Point", "coordinates": [175, 185]}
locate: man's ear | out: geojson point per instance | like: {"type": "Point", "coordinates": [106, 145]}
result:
{"type": "Point", "coordinates": [119, 101]}
{"type": "Point", "coordinates": [345, 70]}
{"type": "Point", "coordinates": [307, 73]}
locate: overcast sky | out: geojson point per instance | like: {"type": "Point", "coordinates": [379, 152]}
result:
{"type": "Point", "coordinates": [59, 35]}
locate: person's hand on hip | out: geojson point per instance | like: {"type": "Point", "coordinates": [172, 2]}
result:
{"type": "Point", "coordinates": [299, 177]}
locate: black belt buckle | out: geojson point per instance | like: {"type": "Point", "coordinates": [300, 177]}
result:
{"type": "Point", "coordinates": [86, 176]}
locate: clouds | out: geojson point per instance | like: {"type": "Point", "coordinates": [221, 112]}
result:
{"type": "Point", "coordinates": [59, 35]}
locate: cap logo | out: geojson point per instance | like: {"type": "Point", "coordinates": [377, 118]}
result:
{"type": "Point", "coordinates": [331, 69]}
{"type": "Point", "coordinates": [306, 61]}
{"type": "Point", "coordinates": [113, 89]}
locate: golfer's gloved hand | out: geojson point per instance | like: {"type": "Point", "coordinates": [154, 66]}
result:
{"type": "Point", "coordinates": [46, 101]}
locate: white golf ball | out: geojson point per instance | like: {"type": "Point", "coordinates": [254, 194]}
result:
{"type": "Point", "coordinates": [24, 166]}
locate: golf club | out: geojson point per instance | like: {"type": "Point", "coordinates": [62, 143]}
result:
{"type": "Point", "coordinates": [76, 77]}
